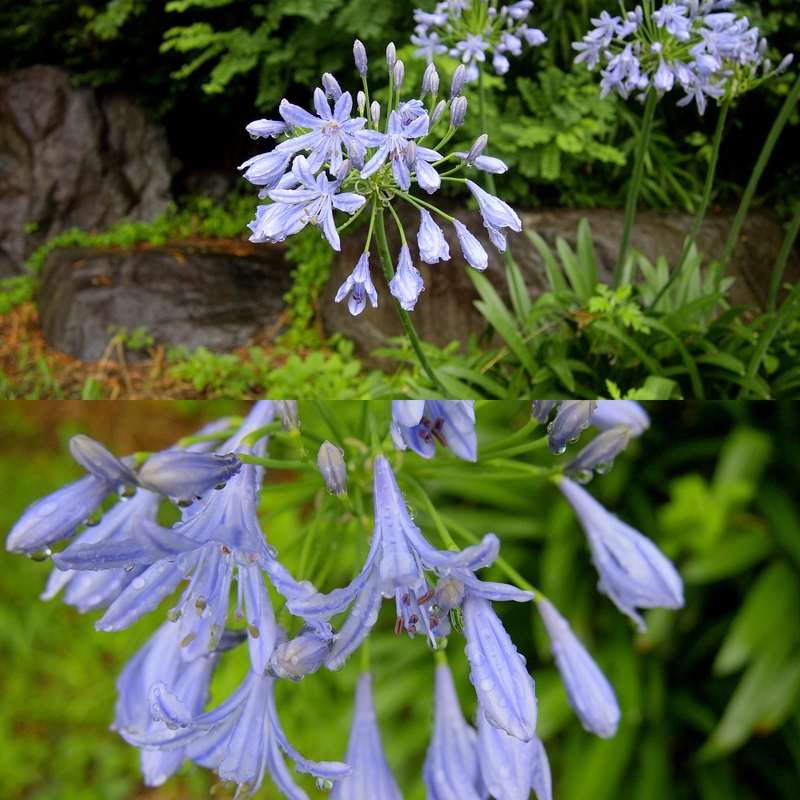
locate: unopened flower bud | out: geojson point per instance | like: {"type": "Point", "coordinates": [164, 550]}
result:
{"type": "Point", "coordinates": [573, 416]}
{"type": "Point", "coordinates": [459, 81]}
{"type": "Point", "coordinates": [399, 71]}
{"type": "Point", "coordinates": [360, 55]}
{"type": "Point", "coordinates": [300, 656]}
{"type": "Point", "coordinates": [185, 475]}
{"type": "Point", "coordinates": [332, 88]}
{"type": "Point", "coordinates": [762, 46]}
{"type": "Point", "coordinates": [477, 148]}
{"type": "Point", "coordinates": [438, 111]}
{"type": "Point", "coordinates": [458, 110]}
{"type": "Point", "coordinates": [599, 454]}
{"type": "Point", "coordinates": [92, 456]}
{"type": "Point", "coordinates": [767, 66]}
{"type": "Point", "coordinates": [331, 464]}
{"type": "Point", "coordinates": [541, 410]}
{"type": "Point", "coordinates": [411, 154]}
{"type": "Point", "coordinates": [391, 56]}
{"type": "Point", "coordinates": [361, 102]}
{"type": "Point", "coordinates": [375, 113]}
{"type": "Point", "coordinates": [784, 65]}
{"type": "Point", "coordinates": [287, 414]}
{"type": "Point", "coordinates": [430, 81]}
{"type": "Point", "coordinates": [357, 154]}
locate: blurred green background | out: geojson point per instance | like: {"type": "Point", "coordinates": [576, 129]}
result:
{"type": "Point", "coordinates": [710, 695]}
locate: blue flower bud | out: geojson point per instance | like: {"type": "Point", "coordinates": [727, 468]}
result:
{"type": "Point", "coordinates": [458, 110]}
{"type": "Point", "coordinates": [287, 414]}
{"type": "Point", "coordinates": [477, 149]}
{"type": "Point", "coordinates": [430, 81]}
{"type": "Point", "coordinates": [541, 410]}
{"type": "Point", "coordinates": [599, 454]}
{"type": "Point", "coordinates": [459, 80]}
{"type": "Point", "coordinates": [391, 56]}
{"type": "Point", "coordinates": [185, 475]}
{"type": "Point", "coordinates": [438, 111]}
{"type": "Point", "coordinates": [572, 417]}
{"type": "Point", "coordinates": [94, 458]}
{"type": "Point", "coordinates": [331, 464]}
{"type": "Point", "coordinates": [360, 55]}
{"type": "Point", "coordinates": [332, 88]}
{"type": "Point", "coordinates": [300, 656]}
{"type": "Point", "coordinates": [375, 113]}
{"type": "Point", "coordinates": [399, 73]}
{"type": "Point", "coordinates": [473, 250]}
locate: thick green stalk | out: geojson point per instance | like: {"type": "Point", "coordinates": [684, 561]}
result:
{"type": "Point", "coordinates": [408, 326]}
{"type": "Point", "coordinates": [766, 153]}
{"type": "Point", "coordinates": [701, 211]}
{"type": "Point", "coordinates": [636, 183]}
{"type": "Point", "coordinates": [783, 256]}
{"type": "Point", "coordinates": [487, 176]}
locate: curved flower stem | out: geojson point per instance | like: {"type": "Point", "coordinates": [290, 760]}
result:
{"type": "Point", "coordinates": [766, 153]}
{"type": "Point", "coordinates": [783, 256]}
{"type": "Point", "coordinates": [405, 320]}
{"type": "Point", "coordinates": [701, 211]}
{"type": "Point", "coordinates": [636, 183]}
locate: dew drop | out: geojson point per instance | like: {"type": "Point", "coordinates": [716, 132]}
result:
{"type": "Point", "coordinates": [583, 476]}
{"type": "Point", "coordinates": [138, 583]}
{"type": "Point", "coordinates": [46, 509]}
{"type": "Point", "coordinates": [272, 550]}
{"type": "Point", "coordinates": [323, 784]}
{"type": "Point", "coordinates": [478, 660]}
{"type": "Point", "coordinates": [40, 555]}
{"type": "Point", "coordinates": [602, 469]}
{"type": "Point", "coordinates": [254, 136]}
{"type": "Point", "coordinates": [156, 692]}
{"type": "Point", "coordinates": [412, 511]}
{"type": "Point", "coordinates": [487, 684]}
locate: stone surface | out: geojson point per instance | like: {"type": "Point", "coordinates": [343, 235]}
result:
{"type": "Point", "coordinates": [70, 157]}
{"type": "Point", "coordinates": [210, 295]}
{"type": "Point", "coordinates": [445, 310]}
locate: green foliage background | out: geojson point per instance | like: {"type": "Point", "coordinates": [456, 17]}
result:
{"type": "Point", "coordinates": [710, 695]}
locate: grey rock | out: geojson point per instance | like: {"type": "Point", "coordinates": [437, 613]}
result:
{"type": "Point", "coordinates": [69, 157]}
{"type": "Point", "coordinates": [445, 310]}
{"type": "Point", "coordinates": [182, 294]}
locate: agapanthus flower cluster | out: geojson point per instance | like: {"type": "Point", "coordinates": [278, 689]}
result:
{"type": "Point", "coordinates": [355, 155]}
{"type": "Point", "coordinates": [216, 562]}
{"type": "Point", "coordinates": [699, 46]}
{"type": "Point", "coordinates": [475, 30]}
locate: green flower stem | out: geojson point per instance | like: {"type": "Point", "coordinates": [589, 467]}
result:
{"type": "Point", "coordinates": [783, 256]}
{"type": "Point", "coordinates": [701, 211]}
{"type": "Point", "coordinates": [501, 563]}
{"type": "Point", "coordinates": [788, 311]}
{"type": "Point", "coordinates": [636, 183]}
{"type": "Point", "coordinates": [408, 326]}
{"type": "Point", "coordinates": [187, 441]}
{"type": "Point", "coordinates": [252, 438]}
{"type": "Point", "coordinates": [274, 463]}
{"type": "Point", "coordinates": [766, 153]}
{"type": "Point", "coordinates": [521, 435]}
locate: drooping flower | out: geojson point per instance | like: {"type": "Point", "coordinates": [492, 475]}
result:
{"type": "Point", "coordinates": [451, 768]}
{"type": "Point", "coordinates": [406, 285]}
{"type": "Point", "coordinates": [621, 412]}
{"type": "Point", "coordinates": [599, 454]}
{"type": "Point", "coordinates": [450, 422]}
{"type": "Point", "coordinates": [588, 691]}
{"type": "Point", "coordinates": [433, 246]}
{"type": "Point", "coordinates": [158, 664]}
{"type": "Point", "coordinates": [572, 417]}
{"type": "Point", "coordinates": [185, 475]}
{"type": "Point", "coordinates": [634, 573]}
{"type": "Point", "coordinates": [472, 249]}
{"type": "Point", "coordinates": [371, 777]}
{"type": "Point", "coordinates": [242, 739]}
{"type": "Point", "coordinates": [95, 458]}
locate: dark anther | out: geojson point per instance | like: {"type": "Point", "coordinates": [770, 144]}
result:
{"type": "Point", "coordinates": [226, 550]}
{"type": "Point", "coordinates": [412, 629]}
{"type": "Point", "coordinates": [413, 619]}
{"type": "Point", "coordinates": [436, 430]}
{"type": "Point", "coordinates": [425, 436]}
{"type": "Point", "coordinates": [406, 599]}
{"type": "Point", "coordinates": [427, 596]}
{"type": "Point", "coordinates": [399, 625]}
{"type": "Point", "coordinates": [434, 622]}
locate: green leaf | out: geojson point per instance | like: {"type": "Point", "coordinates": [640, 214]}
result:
{"type": "Point", "coordinates": [520, 297]}
{"type": "Point", "coordinates": [499, 316]}
{"type": "Point", "coordinates": [734, 554]}
{"type": "Point", "coordinates": [576, 275]}
{"type": "Point", "coordinates": [771, 608]}
{"type": "Point", "coordinates": [586, 259]}
{"type": "Point", "coordinates": [554, 273]}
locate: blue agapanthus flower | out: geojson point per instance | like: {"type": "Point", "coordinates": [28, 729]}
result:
{"type": "Point", "coordinates": [588, 690]}
{"type": "Point", "coordinates": [332, 162]}
{"type": "Point", "coordinates": [371, 776]}
{"type": "Point", "coordinates": [419, 424]}
{"type": "Point", "coordinates": [700, 47]}
{"type": "Point", "coordinates": [451, 767]}
{"type": "Point", "coordinates": [634, 573]}
{"type": "Point", "coordinates": [472, 30]}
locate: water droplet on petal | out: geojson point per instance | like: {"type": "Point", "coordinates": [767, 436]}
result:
{"type": "Point", "coordinates": [40, 555]}
{"type": "Point", "coordinates": [272, 550]}
{"type": "Point", "coordinates": [323, 784]}
{"type": "Point", "coordinates": [487, 684]}
{"type": "Point", "coordinates": [138, 583]}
